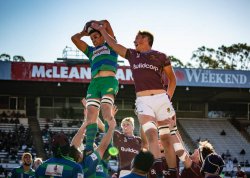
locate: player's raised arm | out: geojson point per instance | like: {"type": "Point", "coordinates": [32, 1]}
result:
{"type": "Point", "coordinates": [107, 137]}
{"type": "Point", "coordinates": [171, 80]}
{"type": "Point", "coordinates": [79, 136]}
{"type": "Point", "coordinates": [121, 50]}
{"type": "Point", "coordinates": [76, 39]}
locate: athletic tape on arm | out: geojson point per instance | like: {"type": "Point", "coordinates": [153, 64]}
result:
{"type": "Point", "coordinates": [179, 147]}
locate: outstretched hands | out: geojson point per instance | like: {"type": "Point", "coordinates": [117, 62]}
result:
{"type": "Point", "coordinates": [114, 110]}
{"type": "Point", "coordinates": [84, 102]}
{"type": "Point", "coordinates": [98, 26]}
{"type": "Point", "coordinates": [171, 122]}
{"type": "Point", "coordinates": [112, 123]}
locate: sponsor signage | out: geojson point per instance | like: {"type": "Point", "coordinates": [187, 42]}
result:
{"type": "Point", "coordinates": [212, 78]}
{"type": "Point", "coordinates": [60, 72]}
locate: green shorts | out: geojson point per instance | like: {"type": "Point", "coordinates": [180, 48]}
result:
{"type": "Point", "coordinates": [102, 86]}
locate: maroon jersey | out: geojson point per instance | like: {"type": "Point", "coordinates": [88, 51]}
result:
{"type": "Point", "coordinates": [128, 147]}
{"type": "Point", "coordinates": [147, 69]}
{"type": "Point", "coordinates": [193, 172]}
{"type": "Point", "coordinates": [166, 174]}
{"type": "Point", "coordinates": [240, 174]}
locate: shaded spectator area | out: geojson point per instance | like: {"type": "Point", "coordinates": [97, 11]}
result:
{"type": "Point", "coordinates": [15, 139]}
{"type": "Point", "coordinates": [227, 140]}
{"type": "Point", "coordinates": [49, 127]}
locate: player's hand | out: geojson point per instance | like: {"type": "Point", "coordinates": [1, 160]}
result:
{"type": "Point", "coordinates": [97, 26]}
{"type": "Point", "coordinates": [114, 110]}
{"type": "Point", "coordinates": [84, 102]}
{"type": "Point", "coordinates": [171, 122]}
{"type": "Point", "coordinates": [112, 123]}
{"type": "Point", "coordinates": [114, 175]}
{"type": "Point", "coordinates": [87, 25]}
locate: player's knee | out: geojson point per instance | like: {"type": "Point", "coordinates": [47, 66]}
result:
{"type": "Point", "coordinates": [166, 140]}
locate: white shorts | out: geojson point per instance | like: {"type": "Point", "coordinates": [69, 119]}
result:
{"type": "Point", "coordinates": [157, 106]}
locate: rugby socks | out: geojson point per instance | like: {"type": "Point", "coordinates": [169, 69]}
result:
{"type": "Point", "coordinates": [106, 130]}
{"type": "Point", "coordinates": [91, 131]}
{"type": "Point", "coordinates": [106, 126]}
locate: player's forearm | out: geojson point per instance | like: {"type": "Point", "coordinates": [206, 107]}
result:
{"type": "Point", "coordinates": [171, 86]}
{"type": "Point", "coordinates": [101, 125]}
{"type": "Point", "coordinates": [106, 139]}
{"type": "Point", "coordinates": [108, 28]}
{"type": "Point", "coordinates": [78, 138]}
{"type": "Point", "coordinates": [121, 50]}
{"type": "Point", "coordinates": [171, 89]}
{"type": "Point", "coordinates": [111, 41]}
{"type": "Point", "coordinates": [76, 37]}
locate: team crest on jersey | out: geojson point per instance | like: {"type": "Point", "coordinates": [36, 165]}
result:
{"type": "Point", "coordinates": [79, 175]}
{"type": "Point", "coordinates": [54, 170]}
{"type": "Point", "coordinates": [138, 55]}
{"type": "Point", "coordinates": [100, 51]}
{"type": "Point", "coordinates": [168, 110]}
{"type": "Point", "coordinates": [125, 139]}
{"type": "Point", "coordinates": [110, 89]}
{"type": "Point", "coordinates": [99, 168]}
{"type": "Point", "coordinates": [93, 156]}
{"type": "Point", "coordinates": [152, 57]}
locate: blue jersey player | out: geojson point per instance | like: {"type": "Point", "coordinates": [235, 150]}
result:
{"type": "Point", "coordinates": [60, 165]}
{"type": "Point", "coordinates": [93, 165]}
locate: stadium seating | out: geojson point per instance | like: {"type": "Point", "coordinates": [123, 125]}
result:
{"type": "Point", "coordinates": [210, 129]}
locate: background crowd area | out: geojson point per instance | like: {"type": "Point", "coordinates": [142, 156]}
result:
{"type": "Point", "coordinates": [18, 135]}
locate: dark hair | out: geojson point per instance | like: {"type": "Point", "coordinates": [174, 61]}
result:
{"type": "Point", "coordinates": [143, 161]}
{"type": "Point", "coordinates": [93, 31]}
{"type": "Point", "coordinates": [60, 145]}
{"type": "Point", "coordinates": [205, 148]}
{"type": "Point", "coordinates": [74, 153]}
{"type": "Point", "coordinates": [213, 164]}
{"type": "Point", "coordinates": [149, 35]}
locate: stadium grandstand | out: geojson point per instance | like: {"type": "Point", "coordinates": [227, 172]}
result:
{"type": "Point", "coordinates": [40, 99]}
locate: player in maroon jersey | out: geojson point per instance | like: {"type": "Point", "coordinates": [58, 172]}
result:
{"type": "Point", "coordinates": [212, 166]}
{"type": "Point", "coordinates": [128, 145]}
{"type": "Point", "coordinates": [240, 173]}
{"type": "Point", "coordinates": [153, 102]}
{"type": "Point", "coordinates": [193, 163]}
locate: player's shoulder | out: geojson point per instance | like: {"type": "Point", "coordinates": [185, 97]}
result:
{"type": "Point", "coordinates": [158, 53]}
